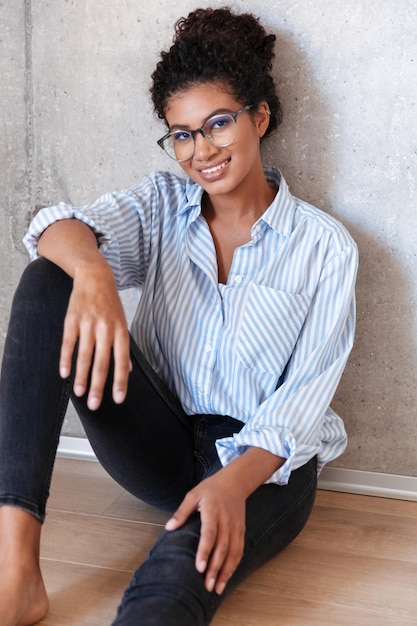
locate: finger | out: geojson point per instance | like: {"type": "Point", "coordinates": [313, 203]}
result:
{"type": "Point", "coordinates": [84, 359]}
{"type": "Point", "coordinates": [208, 538]}
{"type": "Point", "coordinates": [187, 507]}
{"type": "Point", "coordinates": [69, 339]}
{"type": "Point", "coordinates": [122, 366]}
{"type": "Point", "coordinates": [100, 367]}
{"type": "Point", "coordinates": [217, 557]}
{"type": "Point", "coordinates": [230, 563]}
{"type": "Point", "coordinates": [227, 552]}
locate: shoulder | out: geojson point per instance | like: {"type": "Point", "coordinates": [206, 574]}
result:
{"type": "Point", "coordinates": [165, 192]}
{"type": "Point", "coordinates": [293, 216]}
{"type": "Point", "coordinates": [335, 230]}
{"type": "Point", "coordinates": [163, 183]}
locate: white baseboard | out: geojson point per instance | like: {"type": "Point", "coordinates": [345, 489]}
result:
{"type": "Point", "coordinates": [331, 478]}
{"type": "Point", "coordinates": [75, 448]}
{"type": "Point", "coordinates": [369, 483]}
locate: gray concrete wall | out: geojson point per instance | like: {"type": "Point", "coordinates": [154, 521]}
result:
{"type": "Point", "coordinates": [76, 120]}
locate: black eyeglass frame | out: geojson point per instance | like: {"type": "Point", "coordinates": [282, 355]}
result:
{"type": "Point", "coordinates": [232, 114]}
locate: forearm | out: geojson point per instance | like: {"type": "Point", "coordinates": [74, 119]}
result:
{"type": "Point", "coordinates": [251, 469]}
{"type": "Point", "coordinates": [69, 244]}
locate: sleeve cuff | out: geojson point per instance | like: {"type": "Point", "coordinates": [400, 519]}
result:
{"type": "Point", "coordinates": [280, 443]}
{"type": "Point", "coordinates": [48, 216]}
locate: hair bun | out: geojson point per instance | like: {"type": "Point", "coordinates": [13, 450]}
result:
{"type": "Point", "coordinates": [218, 23]}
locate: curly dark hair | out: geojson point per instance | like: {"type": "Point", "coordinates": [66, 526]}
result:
{"type": "Point", "coordinates": [217, 45]}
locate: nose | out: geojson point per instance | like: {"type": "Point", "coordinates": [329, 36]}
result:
{"type": "Point", "coordinates": [202, 147]}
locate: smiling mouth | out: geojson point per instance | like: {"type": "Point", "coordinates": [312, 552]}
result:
{"type": "Point", "coordinates": [216, 168]}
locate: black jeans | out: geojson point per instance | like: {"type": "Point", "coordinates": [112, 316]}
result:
{"type": "Point", "coordinates": [147, 444]}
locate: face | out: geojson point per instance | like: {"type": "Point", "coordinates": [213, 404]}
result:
{"type": "Point", "coordinates": [219, 170]}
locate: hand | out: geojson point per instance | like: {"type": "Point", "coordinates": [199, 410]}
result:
{"type": "Point", "coordinates": [221, 501]}
{"type": "Point", "coordinates": [95, 317]}
{"type": "Point", "coordinates": [222, 510]}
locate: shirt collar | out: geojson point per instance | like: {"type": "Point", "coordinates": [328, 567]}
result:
{"type": "Point", "coordinates": [193, 194]}
{"type": "Point", "coordinates": [279, 215]}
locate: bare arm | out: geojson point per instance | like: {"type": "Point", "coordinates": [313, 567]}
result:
{"type": "Point", "coordinates": [68, 243]}
{"type": "Point", "coordinates": [95, 313]}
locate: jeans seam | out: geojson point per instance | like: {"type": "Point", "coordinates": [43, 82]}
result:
{"type": "Point", "coordinates": [51, 461]}
{"type": "Point", "coordinates": [198, 435]}
{"type": "Point", "coordinates": [22, 503]}
{"type": "Point", "coordinates": [167, 396]}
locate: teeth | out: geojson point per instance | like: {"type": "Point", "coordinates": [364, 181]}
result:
{"type": "Point", "coordinates": [211, 170]}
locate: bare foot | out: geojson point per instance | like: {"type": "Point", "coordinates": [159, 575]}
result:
{"type": "Point", "coordinates": [23, 599]}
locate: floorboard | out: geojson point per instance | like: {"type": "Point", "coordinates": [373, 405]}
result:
{"type": "Point", "coordinates": [354, 563]}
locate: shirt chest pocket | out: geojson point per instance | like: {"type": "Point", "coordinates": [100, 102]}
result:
{"type": "Point", "coordinates": [270, 324]}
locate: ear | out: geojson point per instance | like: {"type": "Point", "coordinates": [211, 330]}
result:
{"type": "Point", "coordinates": [262, 117]}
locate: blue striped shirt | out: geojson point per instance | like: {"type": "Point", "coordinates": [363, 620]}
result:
{"type": "Point", "coordinates": [269, 347]}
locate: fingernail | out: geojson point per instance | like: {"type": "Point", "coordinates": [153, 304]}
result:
{"type": "Point", "coordinates": [64, 372]}
{"type": "Point", "coordinates": [220, 588]}
{"type": "Point", "coordinates": [119, 396]}
{"type": "Point", "coordinates": [201, 566]}
{"type": "Point", "coordinates": [93, 403]}
{"type": "Point", "coordinates": [78, 390]}
{"type": "Point", "coordinates": [210, 584]}
{"type": "Point", "coordinates": [170, 525]}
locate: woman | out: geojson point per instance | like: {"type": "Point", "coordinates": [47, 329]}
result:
{"type": "Point", "coordinates": [218, 408]}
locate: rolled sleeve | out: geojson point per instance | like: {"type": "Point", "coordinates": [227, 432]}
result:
{"type": "Point", "coordinates": [121, 222]}
{"type": "Point", "coordinates": [61, 211]}
{"type": "Point", "coordinates": [280, 443]}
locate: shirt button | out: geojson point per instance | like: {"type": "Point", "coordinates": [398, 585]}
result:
{"type": "Point", "coordinates": [209, 348]}
{"type": "Point", "coordinates": [201, 389]}
{"type": "Point", "coordinates": [257, 228]}
{"type": "Point", "coordinates": [238, 279]}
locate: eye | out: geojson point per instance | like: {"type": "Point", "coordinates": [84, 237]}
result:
{"type": "Point", "coordinates": [180, 136]}
{"type": "Point", "coordinates": [218, 124]}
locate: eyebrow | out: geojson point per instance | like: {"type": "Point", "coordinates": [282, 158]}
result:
{"type": "Point", "coordinates": [186, 127]}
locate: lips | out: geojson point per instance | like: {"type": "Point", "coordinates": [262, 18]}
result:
{"type": "Point", "coordinates": [214, 168]}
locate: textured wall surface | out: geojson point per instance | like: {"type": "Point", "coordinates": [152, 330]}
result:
{"type": "Point", "coordinates": [76, 120]}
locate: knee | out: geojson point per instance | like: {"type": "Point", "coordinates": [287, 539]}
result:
{"type": "Point", "coordinates": [43, 292]}
{"type": "Point", "coordinates": [43, 279]}
{"type": "Point", "coordinates": [167, 589]}
{"type": "Point", "coordinates": [44, 272]}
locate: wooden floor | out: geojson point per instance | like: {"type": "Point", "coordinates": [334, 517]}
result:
{"type": "Point", "coordinates": [354, 563]}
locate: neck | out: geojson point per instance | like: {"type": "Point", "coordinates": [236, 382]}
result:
{"type": "Point", "coordinates": [238, 206]}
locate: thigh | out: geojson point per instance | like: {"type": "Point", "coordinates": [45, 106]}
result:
{"type": "Point", "coordinates": [275, 515]}
{"type": "Point", "coordinates": [146, 444]}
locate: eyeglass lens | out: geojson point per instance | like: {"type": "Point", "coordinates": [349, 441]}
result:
{"type": "Point", "coordinates": [219, 130]}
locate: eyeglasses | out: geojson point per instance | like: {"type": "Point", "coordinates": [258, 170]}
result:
{"type": "Point", "coordinates": [219, 130]}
